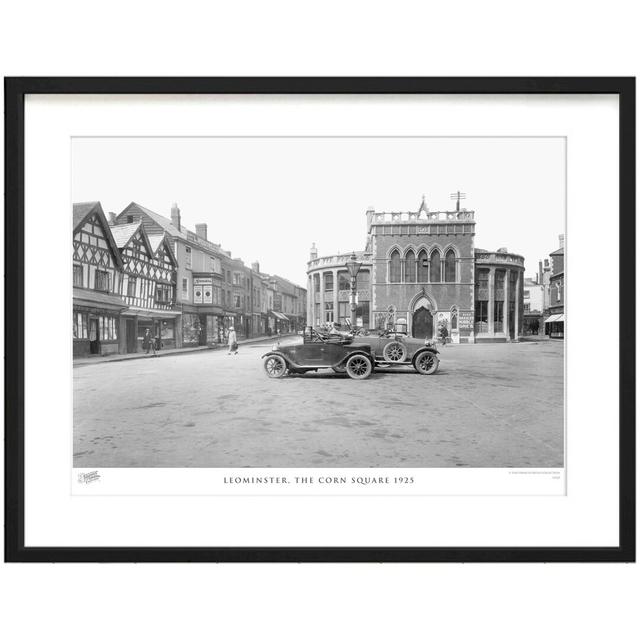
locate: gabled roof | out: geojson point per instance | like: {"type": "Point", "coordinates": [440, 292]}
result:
{"type": "Point", "coordinates": [156, 240]}
{"type": "Point", "coordinates": [558, 252]}
{"type": "Point", "coordinates": [82, 210]}
{"type": "Point", "coordinates": [123, 233]}
{"type": "Point", "coordinates": [165, 223]}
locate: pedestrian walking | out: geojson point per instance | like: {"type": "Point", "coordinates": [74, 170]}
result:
{"type": "Point", "coordinates": [148, 343]}
{"type": "Point", "coordinates": [233, 342]}
{"type": "Point", "coordinates": [443, 334]}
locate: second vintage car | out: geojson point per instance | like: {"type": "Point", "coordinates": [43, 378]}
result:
{"type": "Point", "coordinates": [320, 351]}
{"type": "Point", "coordinates": [393, 346]}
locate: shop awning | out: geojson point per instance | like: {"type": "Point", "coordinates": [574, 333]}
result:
{"type": "Point", "coordinates": [558, 317]}
{"type": "Point", "coordinates": [96, 299]}
{"type": "Point", "coordinates": [279, 316]}
{"type": "Point", "coordinates": [151, 313]}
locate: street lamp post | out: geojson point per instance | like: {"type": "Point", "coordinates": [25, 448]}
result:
{"type": "Point", "coordinates": [353, 266]}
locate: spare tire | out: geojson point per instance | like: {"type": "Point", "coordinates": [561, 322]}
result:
{"type": "Point", "coordinates": [394, 351]}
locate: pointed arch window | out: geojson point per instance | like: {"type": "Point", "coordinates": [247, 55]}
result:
{"type": "Point", "coordinates": [410, 267]}
{"type": "Point", "coordinates": [450, 266]}
{"type": "Point", "coordinates": [395, 267]}
{"type": "Point", "coordinates": [435, 266]}
{"type": "Point", "coordinates": [423, 266]}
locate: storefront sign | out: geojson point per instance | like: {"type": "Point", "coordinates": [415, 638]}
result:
{"type": "Point", "coordinates": [465, 319]}
{"type": "Point", "coordinates": [197, 281]}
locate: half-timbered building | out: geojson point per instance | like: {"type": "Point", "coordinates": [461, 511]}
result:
{"type": "Point", "coordinates": [148, 287]}
{"type": "Point", "coordinates": [97, 307]}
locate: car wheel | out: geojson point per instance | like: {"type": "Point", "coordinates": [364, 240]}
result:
{"type": "Point", "coordinates": [275, 366]}
{"type": "Point", "coordinates": [359, 367]}
{"type": "Point", "coordinates": [339, 368]}
{"type": "Point", "coordinates": [426, 363]}
{"type": "Point", "coordinates": [394, 351]}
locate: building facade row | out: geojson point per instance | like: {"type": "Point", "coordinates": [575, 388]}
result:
{"type": "Point", "coordinates": [422, 269]}
{"type": "Point", "coordinates": [139, 270]}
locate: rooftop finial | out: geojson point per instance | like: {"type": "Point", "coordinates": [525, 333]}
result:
{"type": "Point", "coordinates": [457, 196]}
{"type": "Point", "coordinates": [423, 205]}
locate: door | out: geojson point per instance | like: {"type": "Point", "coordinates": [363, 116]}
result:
{"type": "Point", "coordinates": [202, 341]}
{"type": "Point", "coordinates": [94, 336]}
{"type": "Point", "coordinates": [422, 325]}
{"type": "Point", "coordinates": [132, 342]}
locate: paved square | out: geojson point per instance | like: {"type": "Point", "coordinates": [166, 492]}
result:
{"type": "Point", "coordinates": [490, 405]}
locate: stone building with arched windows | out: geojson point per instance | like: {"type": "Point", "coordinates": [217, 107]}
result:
{"type": "Point", "coordinates": [422, 269]}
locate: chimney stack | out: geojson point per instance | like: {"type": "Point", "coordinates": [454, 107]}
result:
{"type": "Point", "coordinates": [314, 251]}
{"type": "Point", "coordinates": [201, 230]}
{"type": "Point", "coordinates": [561, 238]}
{"type": "Point", "coordinates": [539, 278]}
{"type": "Point", "coordinates": [175, 216]}
{"type": "Point", "coordinates": [255, 266]}
{"type": "Point", "coordinates": [112, 218]}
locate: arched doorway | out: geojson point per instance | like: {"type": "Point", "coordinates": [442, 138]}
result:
{"type": "Point", "coordinates": [422, 324]}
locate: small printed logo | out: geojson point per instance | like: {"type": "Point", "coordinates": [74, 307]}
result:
{"type": "Point", "coordinates": [86, 478]}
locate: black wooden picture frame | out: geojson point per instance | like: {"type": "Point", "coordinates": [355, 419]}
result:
{"type": "Point", "coordinates": [15, 91]}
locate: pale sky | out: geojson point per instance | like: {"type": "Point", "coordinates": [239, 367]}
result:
{"type": "Point", "coordinates": [268, 199]}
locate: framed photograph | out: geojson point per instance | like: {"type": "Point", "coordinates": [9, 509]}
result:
{"type": "Point", "coordinates": [320, 319]}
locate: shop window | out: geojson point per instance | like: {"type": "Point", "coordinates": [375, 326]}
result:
{"type": "Point", "coordinates": [410, 267]}
{"type": "Point", "coordinates": [102, 280]}
{"type": "Point", "coordinates": [131, 286]}
{"type": "Point", "coordinates": [498, 316]}
{"type": "Point", "coordinates": [435, 266]}
{"type": "Point", "coordinates": [362, 314]}
{"type": "Point", "coordinates": [328, 311]}
{"type": "Point", "coordinates": [423, 266]}
{"type": "Point", "coordinates": [395, 267]}
{"type": "Point", "coordinates": [80, 330]}
{"type": "Point", "coordinates": [482, 316]}
{"type": "Point", "coordinates": [343, 312]}
{"type": "Point", "coordinates": [328, 282]}
{"type": "Point", "coordinates": [450, 266]}
{"type": "Point", "coordinates": [107, 328]}
{"type": "Point", "coordinates": [77, 275]}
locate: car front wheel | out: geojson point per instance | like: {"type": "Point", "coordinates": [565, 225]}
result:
{"type": "Point", "coordinates": [426, 364]}
{"type": "Point", "coordinates": [359, 367]}
{"type": "Point", "coordinates": [275, 366]}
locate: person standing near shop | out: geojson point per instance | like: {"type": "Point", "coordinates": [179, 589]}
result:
{"type": "Point", "coordinates": [232, 341]}
{"type": "Point", "coordinates": [148, 342]}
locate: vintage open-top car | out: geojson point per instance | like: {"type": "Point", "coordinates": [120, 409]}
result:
{"type": "Point", "coordinates": [318, 351]}
{"type": "Point", "coordinates": [392, 346]}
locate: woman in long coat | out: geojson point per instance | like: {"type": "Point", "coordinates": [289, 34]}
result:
{"type": "Point", "coordinates": [232, 341]}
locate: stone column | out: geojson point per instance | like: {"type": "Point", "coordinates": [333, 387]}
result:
{"type": "Point", "coordinates": [310, 301]}
{"type": "Point", "coordinates": [516, 321]}
{"type": "Point", "coordinates": [505, 304]}
{"type": "Point", "coordinates": [492, 297]}
{"type": "Point", "coordinates": [322, 312]}
{"type": "Point", "coordinates": [335, 295]}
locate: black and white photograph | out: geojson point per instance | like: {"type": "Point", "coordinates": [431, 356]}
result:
{"type": "Point", "coordinates": [318, 302]}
